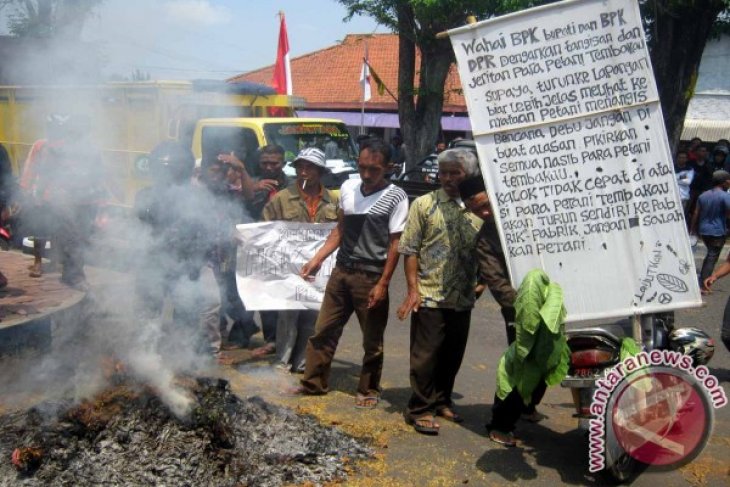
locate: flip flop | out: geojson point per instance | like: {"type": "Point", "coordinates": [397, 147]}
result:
{"type": "Point", "coordinates": [366, 402]}
{"type": "Point", "coordinates": [263, 351]}
{"type": "Point", "coordinates": [299, 391]}
{"type": "Point", "coordinates": [450, 415]}
{"type": "Point", "coordinates": [506, 439]}
{"type": "Point", "coordinates": [426, 425]}
{"type": "Point", "coordinates": [223, 359]}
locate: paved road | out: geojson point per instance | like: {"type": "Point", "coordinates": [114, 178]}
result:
{"type": "Point", "coordinates": [553, 452]}
{"type": "Point", "coordinates": [550, 453]}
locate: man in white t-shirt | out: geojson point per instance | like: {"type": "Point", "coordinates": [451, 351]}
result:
{"type": "Point", "coordinates": [371, 218]}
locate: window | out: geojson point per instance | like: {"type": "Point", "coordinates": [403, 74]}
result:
{"type": "Point", "coordinates": [223, 140]}
{"type": "Point", "coordinates": [330, 137]}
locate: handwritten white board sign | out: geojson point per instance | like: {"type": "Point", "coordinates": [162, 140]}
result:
{"type": "Point", "coordinates": [269, 260]}
{"type": "Point", "coordinates": [572, 146]}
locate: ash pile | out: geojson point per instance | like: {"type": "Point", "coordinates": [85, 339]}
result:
{"type": "Point", "coordinates": [127, 436]}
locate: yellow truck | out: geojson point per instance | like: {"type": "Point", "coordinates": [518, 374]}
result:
{"type": "Point", "coordinates": [243, 136]}
{"type": "Point", "coordinates": [129, 119]}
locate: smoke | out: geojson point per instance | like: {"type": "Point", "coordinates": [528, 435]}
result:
{"type": "Point", "coordinates": [151, 305]}
{"type": "Point", "coordinates": [152, 301]}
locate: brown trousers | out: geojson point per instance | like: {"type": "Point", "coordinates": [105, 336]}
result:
{"type": "Point", "coordinates": [438, 341]}
{"type": "Point", "coordinates": [347, 292]}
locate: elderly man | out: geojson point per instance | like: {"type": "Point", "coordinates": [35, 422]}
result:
{"type": "Point", "coordinates": [370, 221]}
{"type": "Point", "coordinates": [440, 265]}
{"type": "Point", "coordinates": [306, 201]}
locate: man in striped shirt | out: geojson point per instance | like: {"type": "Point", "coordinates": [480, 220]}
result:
{"type": "Point", "coordinates": [371, 218]}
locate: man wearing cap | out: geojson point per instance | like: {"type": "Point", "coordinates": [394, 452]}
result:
{"type": "Point", "coordinates": [493, 272]}
{"type": "Point", "coordinates": [305, 201]}
{"type": "Point", "coordinates": [709, 222]}
{"type": "Point", "coordinates": [440, 265]}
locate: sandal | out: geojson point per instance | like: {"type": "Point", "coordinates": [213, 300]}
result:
{"type": "Point", "coordinates": [450, 415]}
{"type": "Point", "coordinates": [263, 351]}
{"type": "Point", "coordinates": [36, 270]}
{"type": "Point", "coordinates": [366, 402]}
{"type": "Point", "coordinates": [223, 359]}
{"type": "Point", "coordinates": [506, 439]}
{"type": "Point", "coordinates": [232, 346]}
{"type": "Point", "coordinates": [426, 425]}
{"type": "Point", "coordinates": [299, 391]}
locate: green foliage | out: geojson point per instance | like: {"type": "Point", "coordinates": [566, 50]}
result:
{"type": "Point", "coordinates": [629, 348]}
{"type": "Point", "coordinates": [540, 351]}
{"type": "Point", "coordinates": [432, 16]}
{"type": "Point", "coordinates": [48, 18]}
{"type": "Point", "coordinates": [552, 311]}
{"type": "Point", "coordinates": [530, 299]}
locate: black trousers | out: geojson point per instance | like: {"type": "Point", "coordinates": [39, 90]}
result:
{"type": "Point", "coordinates": [506, 412]}
{"type": "Point", "coordinates": [438, 341]}
{"type": "Point", "coordinates": [231, 304]}
{"type": "Point", "coordinates": [714, 248]}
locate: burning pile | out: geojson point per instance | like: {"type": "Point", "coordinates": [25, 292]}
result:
{"type": "Point", "coordinates": [127, 436]}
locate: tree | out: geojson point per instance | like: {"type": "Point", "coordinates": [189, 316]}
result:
{"type": "Point", "coordinates": [677, 31]}
{"type": "Point", "coordinates": [48, 18]}
{"type": "Point", "coordinates": [417, 22]}
{"type": "Point", "coordinates": [49, 49]}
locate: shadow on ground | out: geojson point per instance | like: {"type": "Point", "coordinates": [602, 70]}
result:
{"type": "Point", "coordinates": [545, 448]}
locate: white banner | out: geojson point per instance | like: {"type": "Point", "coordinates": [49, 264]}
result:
{"type": "Point", "coordinates": [572, 145]}
{"type": "Point", "coordinates": [269, 261]}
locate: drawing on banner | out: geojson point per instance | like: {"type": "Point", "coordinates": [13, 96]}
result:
{"type": "Point", "coordinates": [571, 140]}
{"type": "Point", "coordinates": [269, 260]}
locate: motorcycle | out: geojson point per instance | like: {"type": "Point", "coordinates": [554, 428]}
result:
{"type": "Point", "coordinates": [594, 350]}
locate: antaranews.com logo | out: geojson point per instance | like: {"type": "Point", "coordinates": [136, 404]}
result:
{"type": "Point", "coordinates": [657, 407]}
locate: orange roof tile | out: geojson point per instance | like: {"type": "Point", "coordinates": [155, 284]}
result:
{"type": "Point", "coordinates": [330, 78]}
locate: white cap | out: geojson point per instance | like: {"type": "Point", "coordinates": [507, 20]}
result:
{"type": "Point", "coordinates": [313, 155]}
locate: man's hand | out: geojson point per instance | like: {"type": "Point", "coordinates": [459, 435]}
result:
{"type": "Point", "coordinates": [309, 270]}
{"type": "Point", "coordinates": [266, 185]}
{"type": "Point", "coordinates": [411, 303]}
{"type": "Point", "coordinates": [232, 160]}
{"type": "Point", "coordinates": [710, 281]}
{"type": "Point", "coordinates": [479, 290]}
{"type": "Point", "coordinates": [377, 294]}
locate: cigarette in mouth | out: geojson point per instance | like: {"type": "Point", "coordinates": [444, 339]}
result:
{"type": "Point", "coordinates": [304, 185]}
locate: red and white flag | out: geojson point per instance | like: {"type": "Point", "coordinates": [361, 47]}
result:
{"type": "Point", "coordinates": [365, 77]}
{"type": "Point", "coordinates": [282, 70]}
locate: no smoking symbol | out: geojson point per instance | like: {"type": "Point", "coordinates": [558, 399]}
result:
{"type": "Point", "coordinates": [665, 298]}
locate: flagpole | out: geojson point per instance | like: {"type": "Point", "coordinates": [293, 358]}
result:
{"type": "Point", "coordinates": [364, 88]}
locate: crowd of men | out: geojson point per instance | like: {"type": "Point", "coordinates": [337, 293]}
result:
{"type": "Point", "coordinates": [448, 238]}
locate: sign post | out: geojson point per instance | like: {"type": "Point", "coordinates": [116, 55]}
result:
{"type": "Point", "coordinates": [572, 145]}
